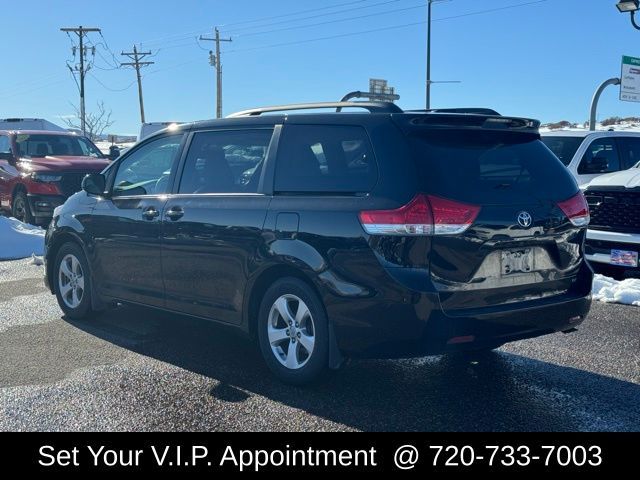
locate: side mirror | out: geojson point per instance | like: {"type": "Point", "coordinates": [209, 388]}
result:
{"type": "Point", "coordinates": [8, 156]}
{"type": "Point", "coordinates": [94, 184]}
{"type": "Point", "coordinates": [597, 165]}
{"type": "Point", "coordinates": [114, 152]}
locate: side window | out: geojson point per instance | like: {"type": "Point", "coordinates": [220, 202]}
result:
{"type": "Point", "coordinates": [601, 157]}
{"type": "Point", "coordinates": [629, 151]}
{"type": "Point", "coordinates": [225, 161]}
{"type": "Point", "coordinates": [147, 170]}
{"type": "Point", "coordinates": [5, 146]}
{"type": "Point", "coordinates": [323, 158]}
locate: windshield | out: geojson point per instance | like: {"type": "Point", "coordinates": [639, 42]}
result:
{"type": "Point", "coordinates": [563, 147]}
{"type": "Point", "coordinates": [43, 145]}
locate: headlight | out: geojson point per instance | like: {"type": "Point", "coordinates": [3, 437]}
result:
{"type": "Point", "coordinates": [42, 177]}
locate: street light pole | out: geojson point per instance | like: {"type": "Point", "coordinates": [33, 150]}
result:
{"type": "Point", "coordinates": [429, 4]}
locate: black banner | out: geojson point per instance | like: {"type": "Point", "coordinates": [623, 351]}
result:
{"type": "Point", "coordinates": [249, 453]}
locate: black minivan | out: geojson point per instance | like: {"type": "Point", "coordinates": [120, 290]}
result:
{"type": "Point", "coordinates": [375, 234]}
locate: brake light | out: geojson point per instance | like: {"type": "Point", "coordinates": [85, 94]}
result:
{"type": "Point", "coordinates": [424, 215]}
{"type": "Point", "coordinates": [577, 209]}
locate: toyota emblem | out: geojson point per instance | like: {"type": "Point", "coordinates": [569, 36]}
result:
{"type": "Point", "coordinates": [525, 219]}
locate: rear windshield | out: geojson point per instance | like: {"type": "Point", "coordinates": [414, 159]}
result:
{"type": "Point", "coordinates": [489, 167]}
{"type": "Point", "coordinates": [564, 148]}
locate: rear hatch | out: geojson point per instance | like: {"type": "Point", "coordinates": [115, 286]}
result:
{"type": "Point", "coordinates": [523, 227]}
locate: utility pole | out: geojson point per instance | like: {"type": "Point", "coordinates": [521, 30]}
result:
{"type": "Point", "coordinates": [216, 62]}
{"type": "Point", "coordinates": [137, 64]}
{"type": "Point", "coordinates": [81, 32]}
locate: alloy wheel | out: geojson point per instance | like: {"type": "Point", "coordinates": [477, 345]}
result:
{"type": "Point", "coordinates": [291, 331]}
{"type": "Point", "coordinates": [71, 281]}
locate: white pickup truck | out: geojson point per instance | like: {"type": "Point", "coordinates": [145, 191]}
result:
{"type": "Point", "coordinates": [613, 238]}
{"type": "Point", "coordinates": [588, 154]}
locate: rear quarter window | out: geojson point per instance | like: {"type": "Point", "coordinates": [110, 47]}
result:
{"type": "Point", "coordinates": [485, 167]}
{"type": "Point", "coordinates": [325, 159]}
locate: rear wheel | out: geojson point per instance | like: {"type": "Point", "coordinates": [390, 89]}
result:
{"type": "Point", "coordinates": [20, 208]}
{"type": "Point", "coordinates": [73, 282]}
{"type": "Point", "coordinates": [293, 332]}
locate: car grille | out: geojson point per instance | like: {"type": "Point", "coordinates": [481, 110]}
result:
{"type": "Point", "coordinates": [611, 210]}
{"type": "Point", "coordinates": [71, 183]}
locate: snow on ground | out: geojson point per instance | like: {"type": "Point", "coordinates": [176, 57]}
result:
{"type": "Point", "coordinates": [608, 290]}
{"type": "Point", "coordinates": [19, 240]}
{"type": "Point", "coordinates": [619, 127]}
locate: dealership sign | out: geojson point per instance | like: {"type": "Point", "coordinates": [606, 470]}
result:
{"type": "Point", "coordinates": [630, 79]}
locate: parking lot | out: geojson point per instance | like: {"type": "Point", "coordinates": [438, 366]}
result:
{"type": "Point", "coordinates": [137, 369]}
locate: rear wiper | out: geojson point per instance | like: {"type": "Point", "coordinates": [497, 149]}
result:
{"type": "Point", "coordinates": [503, 186]}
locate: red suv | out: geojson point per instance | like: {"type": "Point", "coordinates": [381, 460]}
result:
{"type": "Point", "coordinates": [39, 170]}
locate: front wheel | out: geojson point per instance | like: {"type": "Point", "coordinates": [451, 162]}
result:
{"type": "Point", "coordinates": [20, 208]}
{"type": "Point", "coordinates": [73, 282]}
{"type": "Point", "coordinates": [293, 332]}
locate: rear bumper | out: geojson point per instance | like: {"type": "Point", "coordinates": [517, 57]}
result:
{"type": "Point", "coordinates": [42, 206]}
{"type": "Point", "coordinates": [598, 246]}
{"type": "Point", "coordinates": [414, 324]}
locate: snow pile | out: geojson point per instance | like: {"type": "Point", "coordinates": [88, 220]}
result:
{"type": "Point", "coordinates": [608, 290]}
{"type": "Point", "coordinates": [19, 240]}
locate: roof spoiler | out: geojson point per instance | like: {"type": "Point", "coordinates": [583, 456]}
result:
{"type": "Point", "coordinates": [471, 111]}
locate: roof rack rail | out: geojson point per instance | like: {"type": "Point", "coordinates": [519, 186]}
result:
{"type": "Point", "coordinates": [372, 107]}
{"type": "Point", "coordinates": [468, 110]}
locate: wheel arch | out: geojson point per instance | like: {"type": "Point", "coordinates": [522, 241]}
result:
{"type": "Point", "coordinates": [255, 292]}
{"type": "Point", "coordinates": [52, 252]}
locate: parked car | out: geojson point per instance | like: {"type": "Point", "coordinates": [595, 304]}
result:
{"type": "Point", "coordinates": [613, 239]}
{"type": "Point", "coordinates": [39, 170]}
{"type": "Point", "coordinates": [588, 154]}
{"type": "Point", "coordinates": [333, 235]}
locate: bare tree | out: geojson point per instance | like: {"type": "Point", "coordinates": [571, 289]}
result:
{"type": "Point", "coordinates": [95, 122]}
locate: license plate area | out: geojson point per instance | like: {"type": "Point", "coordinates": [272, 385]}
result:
{"type": "Point", "coordinates": [518, 261]}
{"type": "Point", "coordinates": [624, 258]}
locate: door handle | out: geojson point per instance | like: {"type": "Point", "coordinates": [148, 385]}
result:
{"type": "Point", "coordinates": [150, 213]}
{"type": "Point", "coordinates": [175, 213]}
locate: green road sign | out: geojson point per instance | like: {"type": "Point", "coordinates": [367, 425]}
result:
{"type": "Point", "coordinates": [630, 79]}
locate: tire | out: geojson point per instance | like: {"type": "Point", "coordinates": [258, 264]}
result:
{"type": "Point", "coordinates": [309, 337]}
{"type": "Point", "coordinates": [72, 280]}
{"type": "Point", "coordinates": [20, 208]}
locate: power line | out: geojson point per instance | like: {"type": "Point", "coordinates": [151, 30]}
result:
{"type": "Point", "coordinates": [182, 36]}
{"type": "Point", "coordinates": [353, 9]}
{"type": "Point", "coordinates": [106, 87]}
{"type": "Point", "coordinates": [382, 29]}
{"type": "Point", "coordinates": [328, 22]}
{"type": "Point", "coordinates": [300, 12]}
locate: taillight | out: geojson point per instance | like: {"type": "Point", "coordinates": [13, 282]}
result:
{"type": "Point", "coordinates": [424, 215]}
{"type": "Point", "coordinates": [577, 209]}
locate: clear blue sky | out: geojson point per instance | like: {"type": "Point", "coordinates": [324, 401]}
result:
{"type": "Point", "coordinates": [542, 60]}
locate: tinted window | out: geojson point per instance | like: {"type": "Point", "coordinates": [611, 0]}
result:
{"type": "Point", "coordinates": [629, 151]}
{"type": "Point", "coordinates": [5, 146]}
{"type": "Point", "coordinates": [564, 148]}
{"type": "Point", "coordinates": [602, 153]}
{"type": "Point", "coordinates": [146, 170]}
{"type": "Point", "coordinates": [40, 145]}
{"type": "Point", "coordinates": [225, 161]}
{"type": "Point", "coordinates": [489, 167]}
{"type": "Point", "coordinates": [325, 159]}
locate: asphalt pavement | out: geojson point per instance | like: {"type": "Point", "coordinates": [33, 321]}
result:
{"type": "Point", "coordinates": [136, 369]}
